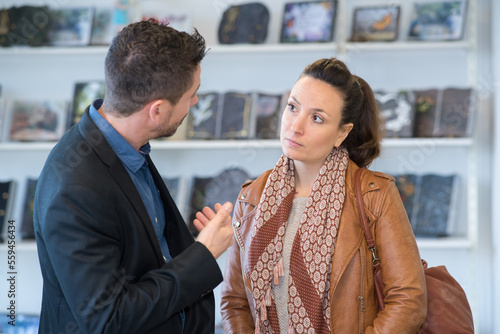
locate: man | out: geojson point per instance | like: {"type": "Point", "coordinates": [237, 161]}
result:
{"type": "Point", "coordinates": [115, 253]}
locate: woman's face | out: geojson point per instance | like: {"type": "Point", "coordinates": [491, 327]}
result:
{"type": "Point", "coordinates": [310, 123]}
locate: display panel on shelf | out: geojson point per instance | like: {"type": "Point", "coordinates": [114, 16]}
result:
{"type": "Point", "coordinates": [24, 25]}
{"type": "Point", "coordinates": [375, 24]}
{"type": "Point", "coordinates": [438, 21]}
{"type": "Point", "coordinates": [235, 115]}
{"type": "Point", "coordinates": [209, 190]}
{"type": "Point", "coordinates": [308, 21]}
{"type": "Point", "coordinates": [84, 94]}
{"type": "Point", "coordinates": [430, 202]}
{"type": "Point", "coordinates": [35, 120]}
{"type": "Point", "coordinates": [71, 26]}
{"type": "Point", "coordinates": [398, 112]}
{"type": "Point", "coordinates": [445, 112]}
{"type": "Point", "coordinates": [27, 227]}
{"type": "Point", "coordinates": [266, 114]}
{"type": "Point", "coordinates": [102, 26]}
{"type": "Point", "coordinates": [7, 196]}
{"type": "Point", "coordinates": [202, 117]}
{"type": "Point", "coordinates": [244, 24]}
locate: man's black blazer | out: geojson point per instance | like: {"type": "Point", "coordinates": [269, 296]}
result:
{"type": "Point", "coordinates": [102, 267]}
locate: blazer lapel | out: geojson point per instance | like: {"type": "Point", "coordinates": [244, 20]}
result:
{"type": "Point", "coordinates": [97, 141]}
{"type": "Point", "coordinates": [176, 232]}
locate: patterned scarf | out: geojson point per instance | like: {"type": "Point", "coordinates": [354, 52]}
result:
{"type": "Point", "coordinates": [312, 249]}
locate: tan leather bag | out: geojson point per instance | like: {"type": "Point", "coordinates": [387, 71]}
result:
{"type": "Point", "coordinates": [448, 310]}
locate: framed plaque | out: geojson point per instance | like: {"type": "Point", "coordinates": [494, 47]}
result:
{"type": "Point", "coordinates": [438, 21]}
{"type": "Point", "coordinates": [375, 24]}
{"type": "Point", "coordinates": [308, 21]}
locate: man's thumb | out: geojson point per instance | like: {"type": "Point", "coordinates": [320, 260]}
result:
{"type": "Point", "coordinates": [228, 206]}
{"type": "Point", "coordinates": [224, 212]}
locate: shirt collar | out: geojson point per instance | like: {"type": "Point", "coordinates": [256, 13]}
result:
{"type": "Point", "coordinates": [130, 157]}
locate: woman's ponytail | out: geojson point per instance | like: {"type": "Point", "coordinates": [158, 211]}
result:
{"type": "Point", "coordinates": [364, 141]}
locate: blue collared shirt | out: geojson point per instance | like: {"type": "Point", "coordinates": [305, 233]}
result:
{"type": "Point", "coordinates": [136, 165]}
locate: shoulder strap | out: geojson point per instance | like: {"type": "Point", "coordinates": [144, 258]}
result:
{"type": "Point", "coordinates": [362, 216]}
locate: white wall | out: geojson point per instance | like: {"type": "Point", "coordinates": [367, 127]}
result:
{"type": "Point", "coordinates": [496, 165]}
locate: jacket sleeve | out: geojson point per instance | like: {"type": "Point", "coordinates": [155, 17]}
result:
{"type": "Point", "coordinates": [405, 294]}
{"type": "Point", "coordinates": [235, 308]}
{"type": "Point", "coordinates": [80, 239]}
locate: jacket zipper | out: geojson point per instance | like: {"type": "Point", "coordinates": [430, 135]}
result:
{"type": "Point", "coordinates": [361, 298]}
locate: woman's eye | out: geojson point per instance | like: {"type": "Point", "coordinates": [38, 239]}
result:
{"type": "Point", "coordinates": [317, 119]}
{"type": "Point", "coordinates": [291, 107]}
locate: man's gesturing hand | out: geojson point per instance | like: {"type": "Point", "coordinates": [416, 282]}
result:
{"type": "Point", "coordinates": [216, 232]}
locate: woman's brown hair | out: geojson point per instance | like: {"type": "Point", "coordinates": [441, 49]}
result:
{"type": "Point", "coordinates": [360, 108]}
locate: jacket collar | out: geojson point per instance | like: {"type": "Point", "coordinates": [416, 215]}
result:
{"type": "Point", "coordinates": [252, 190]}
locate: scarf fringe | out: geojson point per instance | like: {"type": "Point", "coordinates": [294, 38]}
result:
{"type": "Point", "coordinates": [278, 271]}
{"type": "Point", "coordinates": [291, 330]}
{"type": "Point", "coordinates": [264, 303]}
{"type": "Point", "coordinates": [263, 310]}
{"type": "Point", "coordinates": [268, 301]}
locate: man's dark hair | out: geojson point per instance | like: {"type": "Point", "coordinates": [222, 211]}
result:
{"type": "Point", "coordinates": [148, 60]}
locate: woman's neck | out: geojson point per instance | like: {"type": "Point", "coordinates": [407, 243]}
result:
{"type": "Point", "coordinates": [305, 175]}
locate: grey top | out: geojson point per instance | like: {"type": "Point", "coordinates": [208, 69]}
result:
{"type": "Point", "coordinates": [280, 292]}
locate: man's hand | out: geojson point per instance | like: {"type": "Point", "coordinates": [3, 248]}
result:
{"type": "Point", "coordinates": [216, 232]}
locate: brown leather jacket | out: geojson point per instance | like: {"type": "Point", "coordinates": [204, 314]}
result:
{"type": "Point", "coordinates": [354, 307]}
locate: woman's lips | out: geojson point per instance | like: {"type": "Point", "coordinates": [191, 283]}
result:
{"type": "Point", "coordinates": [293, 143]}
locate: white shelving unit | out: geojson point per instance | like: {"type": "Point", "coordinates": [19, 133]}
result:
{"type": "Point", "coordinates": [49, 72]}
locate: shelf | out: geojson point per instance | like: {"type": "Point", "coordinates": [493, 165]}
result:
{"type": "Point", "coordinates": [438, 243]}
{"type": "Point", "coordinates": [406, 45]}
{"type": "Point", "coordinates": [53, 51]}
{"type": "Point", "coordinates": [439, 142]}
{"type": "Point", "coordinates": [234, 144]}
{"type": "Point", "coordinates": [249, 48]}
{"type": "Point", "coordinates": [269, 48]}
{"type": "Point", "coordinates": [35, 146]}
{"type": "Point", "coordinates": [444, 243]}
{"type": "Point", "coordinates": [231, 144]}
{"type": "Point", "coordinates": [214, 49]}
{"type": "Point", "coordinates": [213, 144]}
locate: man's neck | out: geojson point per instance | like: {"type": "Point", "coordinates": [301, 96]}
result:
{"type": "Point", "coordinates": [131, 127]}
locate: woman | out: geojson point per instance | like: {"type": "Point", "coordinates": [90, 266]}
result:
{"type": "Point", "coordinates": [301, 263]}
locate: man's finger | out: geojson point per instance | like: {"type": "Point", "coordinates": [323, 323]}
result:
{"type": "Point", "coordinates": [202, 218]}
{"type": "Point", "coordinates": [209, 213]}
{"type": "Point", "coordinates": [199, 225]}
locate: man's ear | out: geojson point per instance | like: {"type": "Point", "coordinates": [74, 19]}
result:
{"type": "Point", "coordinates": [343, 132]}
{"type": "Point", "coordinates": [155, 108]}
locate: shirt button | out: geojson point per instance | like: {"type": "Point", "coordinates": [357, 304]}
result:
{"type": "Point", "coordinates": [237, 224]}
{"type": "Point", "coordinates": [156, 220]}
{"type": "Point", "coordinates": [165, 259]}
{"type": "Point", "coordinates": [243, 196]}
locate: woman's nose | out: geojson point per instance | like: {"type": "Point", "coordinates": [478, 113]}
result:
{"type": "Point", "coordinates": [298, 123]}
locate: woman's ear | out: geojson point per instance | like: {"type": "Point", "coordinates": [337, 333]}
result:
{"type": "Point", "coordinates": [343, 132]}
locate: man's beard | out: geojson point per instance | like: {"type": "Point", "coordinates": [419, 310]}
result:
{"type": "Point", "coordinates": [170, 130]}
